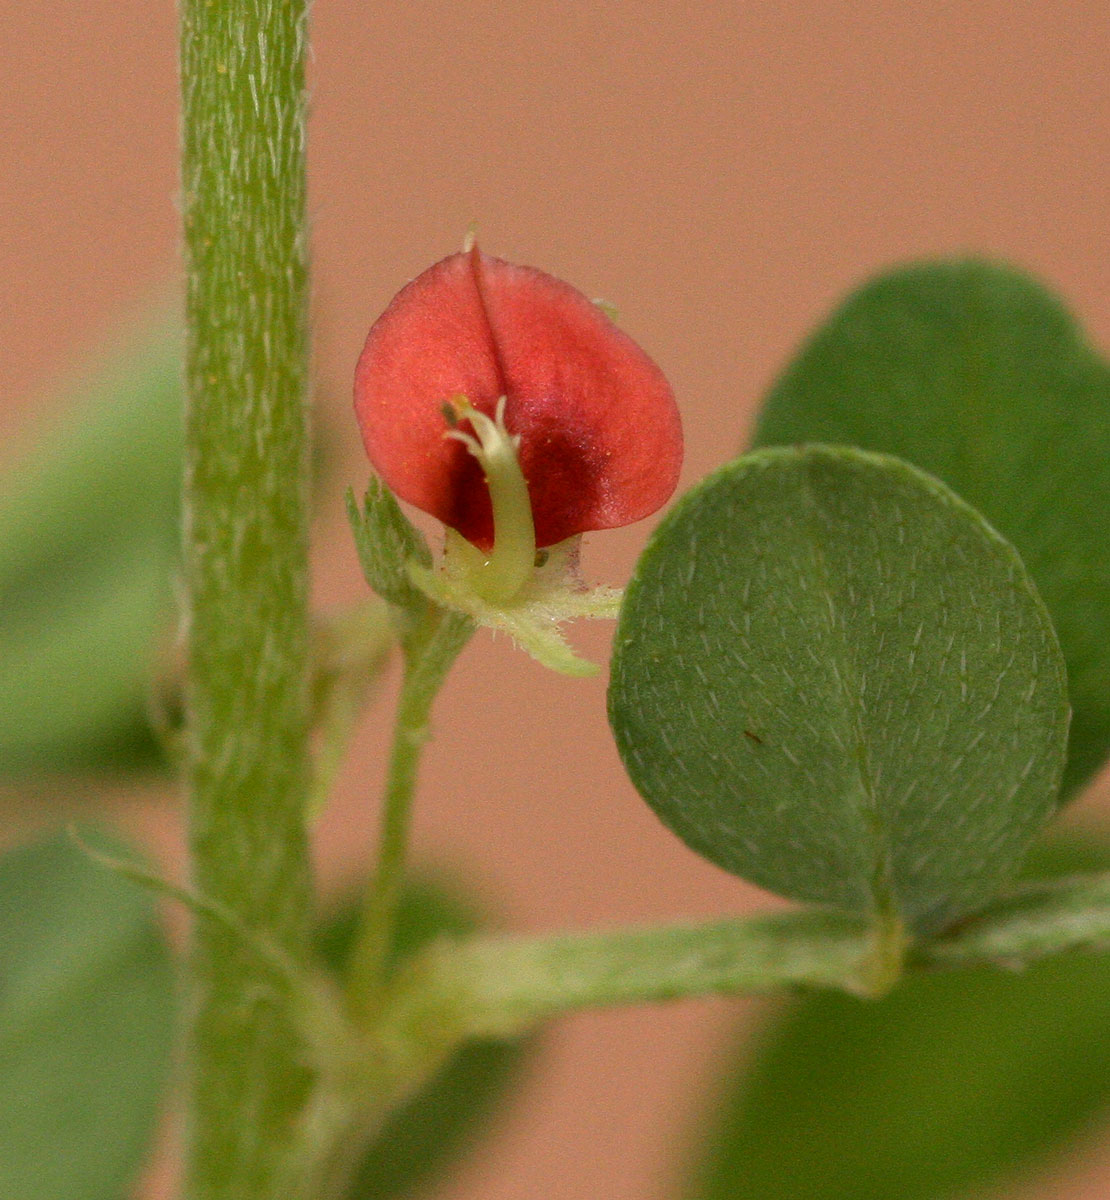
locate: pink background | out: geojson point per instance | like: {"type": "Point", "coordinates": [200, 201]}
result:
{"type": "Point", "coordinates": [722, 175]}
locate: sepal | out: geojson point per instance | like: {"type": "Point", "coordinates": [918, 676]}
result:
{"type": "Point", "coordinates": [387, 542]}
{"type": "Point", "coordinates": [553, 594]}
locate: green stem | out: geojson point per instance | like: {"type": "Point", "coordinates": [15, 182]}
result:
{"type": "Point", "coordinates": [501, 986]}
{"type": "Point", "coordinates": [245, 566]}
{"type": "Point", "coordinates": [429, 652]}
{"type": "Point", "coordinates": [1035, 920]}
{"type": "Point", "coordinates": [884, 964]}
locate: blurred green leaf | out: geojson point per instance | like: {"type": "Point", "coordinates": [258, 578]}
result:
{"type": "Point", "coordinates": [951, 1084]}
{"type": "Point", "coordinates": [978, 375]}
{"type": "Point", "coordinates": [107, 462]}
{"type": "Point", "coordinates": [439, 1122]}
{"type": "Point", "coordinates": [833, 678]}
{"type": "Point", "coordinates": [88, 534]}
{"type": "Point", "coordinates": [73, 684]}
{"type": "Point", "coordinates": [86, 1004]}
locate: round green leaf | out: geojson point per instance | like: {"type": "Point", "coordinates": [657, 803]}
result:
{"type": "Point", "coordinates": [952, 1084]}
{"type": "Point", "coordinates": [833, 678]}
{"type": "Point", "coordinates": [977, 374]}
{"type": "Point", "coordinates": [86, 1008]}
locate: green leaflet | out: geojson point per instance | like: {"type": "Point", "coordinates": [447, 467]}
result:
{"type": "Point", "coordinates": [74, 680]}
{"type": "Point", "coordinates": [977, 374]}
{"type": "Point", "coordinates": [948, 1087]}
{"type": "Point", "coordinates": [833, 678]}
{"type": "Point", "coordinates": [108, 462]}
{"type": "Point", "coordinates": [88, 535]}
{"type": "Point", "coordinates": [85, 1025]}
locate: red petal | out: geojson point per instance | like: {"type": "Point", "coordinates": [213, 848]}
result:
{"type": "Point", "coordinates": [600, 438]}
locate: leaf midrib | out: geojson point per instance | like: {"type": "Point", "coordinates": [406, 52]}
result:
{"type": "Point", "coordinates": [869, 814]}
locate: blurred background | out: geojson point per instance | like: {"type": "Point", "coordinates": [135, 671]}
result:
{"type": "Point", "coordinates": [722, 174]}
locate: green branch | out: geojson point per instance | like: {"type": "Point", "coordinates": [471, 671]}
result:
{"type": "Point", "coordinates": [1036, 920]}
{"type": "Point", "coordinates": [245, 565]}
{"type": "Point", "coordinates": [501, 986]}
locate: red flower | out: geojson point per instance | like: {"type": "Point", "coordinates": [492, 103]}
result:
{"type": "Point", "coordinates": [599, 438]}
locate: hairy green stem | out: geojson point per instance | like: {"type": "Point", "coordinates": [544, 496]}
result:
{"type": "Point", "coordinates": [245, 565]}
{"type": "Point", "coordinates": [429, 651]}
{"type": "Point", "coordinates": [1035, 920]}
{"type": "Point", "coordinates": [501, 986]}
